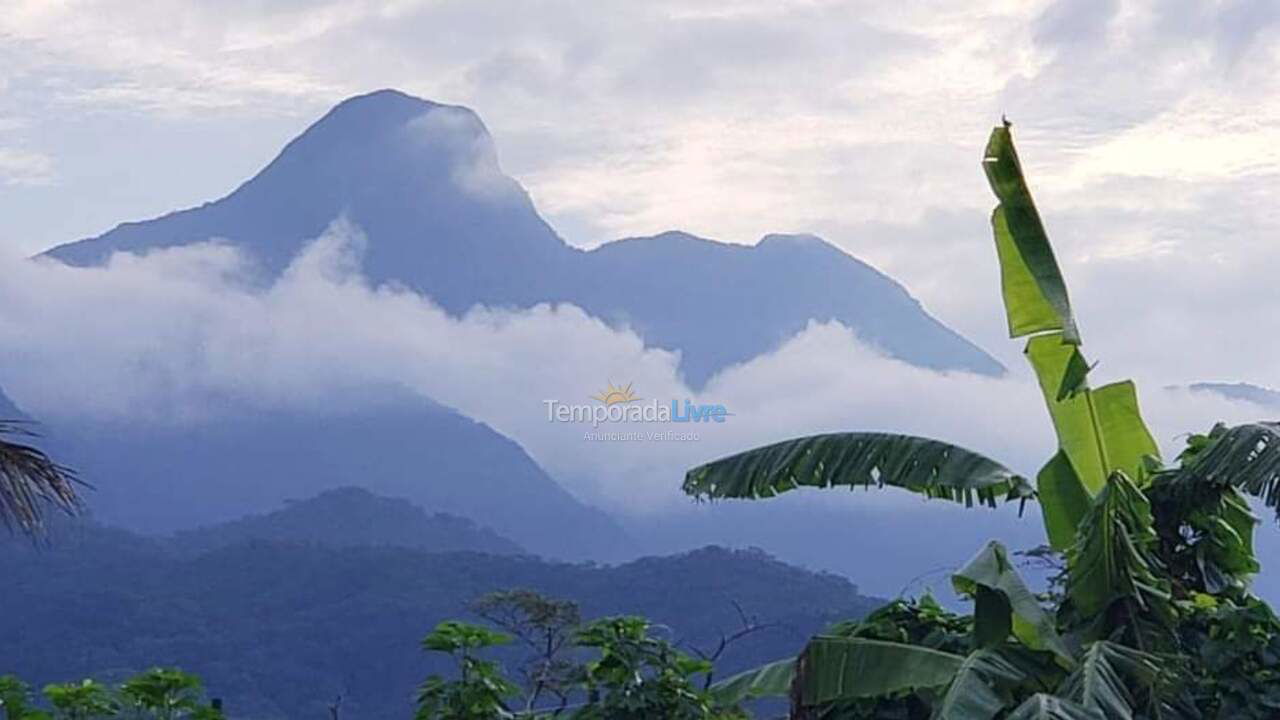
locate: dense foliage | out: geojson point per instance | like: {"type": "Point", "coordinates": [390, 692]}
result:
{"type": "Point", "coordinates": [280, 630]}
{"type": "Point", "coordinates": [1151, 614]}
{"type": "Point", "coordinates": [615, 668]}
{"type": "Point", "coordinates": [156, 694]}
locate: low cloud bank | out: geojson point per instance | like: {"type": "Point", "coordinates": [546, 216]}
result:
{"type": "Point", "coordinates": [156, 338]}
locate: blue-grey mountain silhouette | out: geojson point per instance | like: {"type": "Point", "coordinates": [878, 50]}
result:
{"type": "Point", "coordinates": [351, 517]}
{"type": "Point", "coordinates": [237, 459]}
{"type": "Point", "coordinates": [1256, 394]}
{"type": "Point", "coordinates": [423, 182]}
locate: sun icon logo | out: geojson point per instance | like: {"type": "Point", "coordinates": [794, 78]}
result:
{"type": "Point", "coordinates": [616, 395]}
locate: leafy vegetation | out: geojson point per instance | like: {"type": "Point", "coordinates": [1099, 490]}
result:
{"type": "Point", "coordinates": [279, 629]}
{"type": "Point", "coordinates": [628, 673]}
{"type": "Point", "coordinates": [156, 694]}
{"type": "Point", "coordinates": [1151, 616]}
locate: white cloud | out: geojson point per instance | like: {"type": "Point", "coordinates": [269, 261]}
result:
{"type": "Point", "coordinates": [22, 167]}
{"type": "Point", "coordinates": [860, 121]}
{"type": "Point", "coordinates": [174, 328]}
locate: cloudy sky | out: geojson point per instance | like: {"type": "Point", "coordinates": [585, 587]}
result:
{"type": "Point", "coordinates": [1150, 131]}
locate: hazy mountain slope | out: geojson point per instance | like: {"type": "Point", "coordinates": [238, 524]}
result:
{"type": "Point", "coordinates": [420, 178]}
{"type": "Point", "coordinates": [1255, 394]}
{"type": "Point", "coordinates": [423, 182]}
{"type": "Point", "coordinates": [279, 630]}
{"type": "Point", "coordinates": [165, 478]}
{"type": "Point", "coordinates": [352, 517]}
{"type": "Point", "coordinates": [723, 304]}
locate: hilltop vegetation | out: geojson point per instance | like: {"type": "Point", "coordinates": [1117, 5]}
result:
{"type": "Point", "coordinates": [279, 628]}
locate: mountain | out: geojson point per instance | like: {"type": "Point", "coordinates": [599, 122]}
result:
{"type": "Point", "coordinates": [1255, 394]}
{"type": "Point", "coordinates": [423, 182]}
{"type": "Point", "coordinates": [723, 304]}
{"type": "Point", "coordinates": [162, 478]}
{"type": "Point", "coordinates": [278, 630]}
{"type": "Point", "coordinates": [352, 517]}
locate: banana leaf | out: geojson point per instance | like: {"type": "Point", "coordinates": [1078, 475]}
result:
{"type": "Point", "coordinates": [929, 467]}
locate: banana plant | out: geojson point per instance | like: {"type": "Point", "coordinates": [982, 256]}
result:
{"type": "Point", "coordinates": [1149, 549]}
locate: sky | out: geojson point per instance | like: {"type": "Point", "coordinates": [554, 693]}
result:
{"type": "Point", "coordinates": [1150, 132]}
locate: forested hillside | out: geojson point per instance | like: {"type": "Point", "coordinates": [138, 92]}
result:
{"type": "Point", "coordinates": [279, 629]}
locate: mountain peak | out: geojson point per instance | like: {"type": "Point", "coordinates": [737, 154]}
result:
{"type": "Point", "coordinates": [352, 517]}
{"type": "Point", "coordinates": [420, 179]}
{"type": "Point", "coordinates": [385, 98]}
{"type": "Point", "coordinates": [392, 119]}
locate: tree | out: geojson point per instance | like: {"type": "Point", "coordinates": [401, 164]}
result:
{"type": "Point", "coordinates": [85, 700]}
{"type": "Point", "coordinates": [157, 694]}
{"type": "Point", "coordinates": [1157, 558]}
{"type": "Point", "coordinates": [545, 626]}
{"type": "Point", "coordinates": [481, 691]}
{"type": "Point", "coordinates": [15, 700]}
{"type": "Point", "coordinates": [30, 481]}
{"type": "Point", "coordinates": [630, 674]}
{"type": "Point", "coordinates": [639, 677]}
{"type": "Point", "coordinates": [167, 694]}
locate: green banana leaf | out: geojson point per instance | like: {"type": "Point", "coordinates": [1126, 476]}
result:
{"type": "Point", "coordinates": [1042, 706]}
{"type": "Point", "coordinates": [771, 680]}
{"type": "Point", "coordinates": [994, 583]}
{"type": "Point", "coordinates": [1107, 677]}
{"type": "Point", "coordinates": [973, 694]}
{"type": "Point", "coordinates": [1100, 430]}
{"type": "Point", "coordinates": [929, 467]}
{"type": "Point", "coordinates": [833, 669]}
{"type": "Point", "coordinates": [1035, 296]}
{"type": "Point", "coordinates": [1112, 560]}
{"type": "Point", "coordinates": [1064, 501]}
{"type": "Point", "coordinates": [1246, 456]}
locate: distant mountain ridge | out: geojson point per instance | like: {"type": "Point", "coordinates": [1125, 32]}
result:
{"type": "Point", "coordinates": [351, 517]}
{"type": "Point", "coordinates": [1248, 392]}
{"type": "Point", "coordinates": [160, 479]}
{"type": "Point", "coordinates": [423, 182]}
{"type": "Point", "coordinates": [279, 629]}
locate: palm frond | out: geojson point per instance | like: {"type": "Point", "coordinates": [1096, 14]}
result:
{"type": "Point", "coordinates": [1042, 706]}
{"type": "Point", "coordinates": [974, 693]}
{"type": "Point", "coordinates": [31, 482]}
{"type": "Point", "coordinates": [930, 467]}
{"type": "Point", "coordinates": [1101, 681]}
{"type": "Point", "coordinates": [1245, 456]}
{"type": "Point", "coordinates": [1117, 681]}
